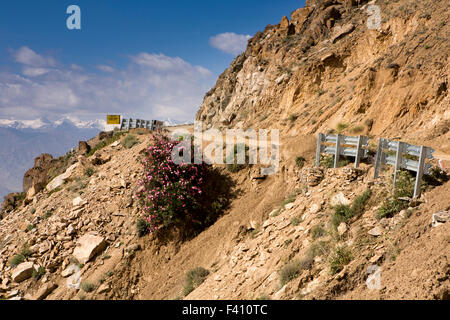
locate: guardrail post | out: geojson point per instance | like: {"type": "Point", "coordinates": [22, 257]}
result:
{"type": "Point", "coordinates": [398, 161]}
{"type": "Point", "coordinates": [358, 151]}
{"type": "Point", "coordinates": [417, 186]}
{"type": "Point", "coordinates": [129, 124]}
{"type": "Point", "coordinates": [378, 158]}
{"type": "Point", "coordinates": [336, 154]}
{"type": "Point", "coordinates": [319, 148]}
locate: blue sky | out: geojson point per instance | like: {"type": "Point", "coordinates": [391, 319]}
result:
{"type": "Point", "coordinates": [138, 58]}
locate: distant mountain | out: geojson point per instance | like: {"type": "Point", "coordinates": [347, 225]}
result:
{"type": "Point", "coordinates": [171, 122]}
{"type": "Point", "coordinates": [23, 140]}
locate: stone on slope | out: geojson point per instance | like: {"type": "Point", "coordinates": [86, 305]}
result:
{"type": "Point", "coordinates": [23, 272]}
{"type": "Point", "coordinates": [88, 246]}
{"type": "Point", "coordinates": [44, 291]}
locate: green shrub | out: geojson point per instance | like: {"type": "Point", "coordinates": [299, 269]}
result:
{"type": "Point", "coordinates": [87, 286]}
{"type": "Point", "coordinates": [327, 161]}
{"type": "Point", "coordinates": [343, 213]}
{"type": "Point", "coordinates": [232, 157]}
{"type": "Point", "coordinates": [342, 257]}
{"type": "Point", "coordinates": [89, 172]}
{"type": "Point", "coordinates": [47, 214]}
{"type": "Point", "coordinates": [318, 232]}
{"type": "Point", "coordinates": [293, 117]}
{"type": "Point", "coordinates": [300, 162]}
{"type": "Point", "coordinates": [289, 199]}
{"type": "Point", "coordinates": [129, 141]}
{"type": "Point", "coordinates": [143, 227]}
{"type": "Point", "coordinates": [404, 188]}
{"type": "Point", "coordinates": [30, 227]}
{"type": "Point", "coordinates": [40, 272]}
{"type": "Point", "coordinates": [26, 252]}
{"type": "Point", "coordinates": [102, 144]}
{"type": "Point", "coordinates": [16, 260]}
{"type": "Point", "coordinates": [357, 129]}
{"type": "Point", "coordinates": [295, 221]}
{"type": "Point", "coordinates": [194, 278]}
{"type": "Point", "coordinates": [292, 270]}
{"type": "Point", "coordinates": [58, 189]}
{"type": "Point", "coordinates": [341, 127]}
{"type": "Point", "coordinates": [318, 248]}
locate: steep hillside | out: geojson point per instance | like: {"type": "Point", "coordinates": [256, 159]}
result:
{"type": "Point", "coordinates": [325, 67]}
{"type": "Point", "coordinates": [302, 233]}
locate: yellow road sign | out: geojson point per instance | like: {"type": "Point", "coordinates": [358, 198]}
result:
{"type": "Point", "coordinates": [112, 119]}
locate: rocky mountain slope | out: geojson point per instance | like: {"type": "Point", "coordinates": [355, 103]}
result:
{"type": "Point", "coordinates": [303, 233]}
{"type": "Point", "coordinates": [325, 67]}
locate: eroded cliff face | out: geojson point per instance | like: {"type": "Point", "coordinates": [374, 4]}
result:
{"type": "Point", "coordinates": [327, 65]}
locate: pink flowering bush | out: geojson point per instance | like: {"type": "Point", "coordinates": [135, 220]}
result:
{"type": "Point", "coordinates": [170, 193]}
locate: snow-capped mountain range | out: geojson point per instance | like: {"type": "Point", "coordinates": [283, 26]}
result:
{"type": "Point", "coordinates": [43, 123]}
{"type": "Point", "coordinates": [23, 140]}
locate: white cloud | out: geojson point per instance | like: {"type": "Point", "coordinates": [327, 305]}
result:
{"type": "Point", "coordinates": [28, 57]}
{"type": "Point", "coordinates": [106, 68]}
{"type": "Point", "coordinates": [151, 86]}
{"type": "Point", "coordinates": [230, 42]}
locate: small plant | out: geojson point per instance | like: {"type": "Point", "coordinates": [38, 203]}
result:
{"type": "Point", "coordinates": [87, 287]}
{"type": "Point", "coordinates": [129, 141]}
{"type": "Point", "coordinates": [289, 199]}
{"type": "Point", "coordinates": [276, 213]}
{"type": "Point", "coordinates": [143, 227]}
{"type": "Point", "coordinates": [102, 144]}
{"type": "Point", "coordinates": [89, 172]}
{"type": "Point", "coordinates": [341, 258]}
{"type": "Point", "coordinates": [404, 188]}
{"type": "Point", "coordinates": [194, 278]}
{"type": "Point", "coordinates": [106, 257]}
{"type": "Point", "coordinates": [295, 221]}
{"type": "Point", "coordinates": [40, 272]}
{"type": "Point", "coordinates": [26, 252]}
{"type": "Point", "coordinates": [263, 298]}
{"type": "Point", "coordinates": [16, 260]}
{"type": "Point", "coordinates": [318, 248]}
{"type": "Point", "coordinates": [47, 214]}
{"type": "Point", "coordinates": [293, 117]}
{"type": "Point", "coordinates": [254, 233]}
{"type": "Point", "coordinates": [55, 191]}
{"type": "Point", "coordinates": [343, 213]}
{"type": "Point", "coordinates": [300, 162]}
{"type": "Point", "coordinates": [231, 160]}
{"type": "Point", "coordinates": [109, 273]}
{"type": "Point", "coordinates": [357, 129]}
{"type": "Point", "coordinates": [30, 227]}
{"type": "Point", "coordinates": [287, 242]}
{"type": "Point", "coordinates": [292, 269]}
{"type": "Point", "coordinates": [327, 161]}
{"type": "Point", "coordinates": [318, 232]}
{"type": "Point", "coordinates": [33, 211]}
{"type": "Point", "coordinates": [341, 127]}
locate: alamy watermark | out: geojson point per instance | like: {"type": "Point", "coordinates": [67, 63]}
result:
{"type": "Point", "coordinates": [231, 145]}
{"type": "Point", "coordinates": [73, 22]}
{"type": "Point", "coordinates": [374, 21]}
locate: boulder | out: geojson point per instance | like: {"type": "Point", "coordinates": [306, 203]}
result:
{"type": "Point", "coordinates": [44, 291]}
{"type": "Point", "coordinates": [342, 229]}
{"type": "Point", "coordinates": [339, 199]}
{"type": "Point", "coordinates": [23, 272]}
{"type": "Point", "coordinates": [61, 179]}
{"type": "Point", "coordinates": [88, 246]}
{"type": "Point", "coordinates": [83, 148]}
{"type": "Point", "coordinates": [376, 232]}
{"type": "Point", "coordinates": [340, 32]}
